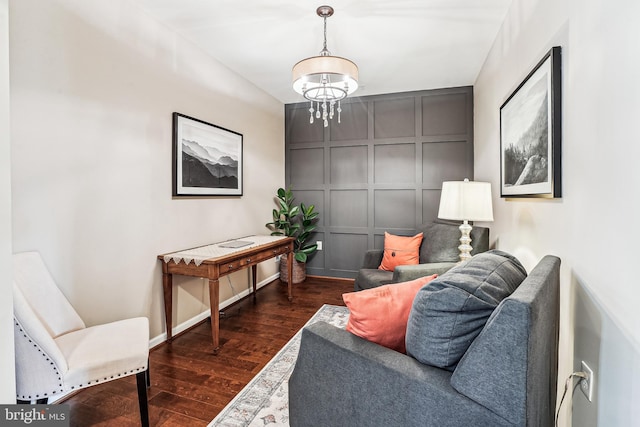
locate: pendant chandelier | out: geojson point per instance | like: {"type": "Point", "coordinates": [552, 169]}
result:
{"type": "Point", "coordinates": [325, 80]}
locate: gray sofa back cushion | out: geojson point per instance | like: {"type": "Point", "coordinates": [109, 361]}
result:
{"type": "Point", "coordinates": [441, 241]}
{"type": "Point", "coordinates": [449, 313]}
{"type": "Point", "coordinates": [518, 346]}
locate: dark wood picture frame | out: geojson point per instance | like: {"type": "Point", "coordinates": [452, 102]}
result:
{"type": "Point", "coordinates": [207, 159]}
{"type": "Point", "coordinates": [531, 133]}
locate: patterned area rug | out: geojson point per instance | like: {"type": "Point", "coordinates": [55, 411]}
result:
{"type": "Point", "coordinates": [265, 400]}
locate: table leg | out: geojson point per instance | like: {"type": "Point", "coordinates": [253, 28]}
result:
{"type": "Point", "coordinates": [254, 277]}
{"type": "Point", "coordinates": [290, 268]}
{"type": "Point", "coordinates": [167, 288]}
{"type": "Point", "coordinates": [214, 300]}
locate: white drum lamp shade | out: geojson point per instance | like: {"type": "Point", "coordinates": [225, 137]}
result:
{"type": "Point", "coordinates": [328, 78]}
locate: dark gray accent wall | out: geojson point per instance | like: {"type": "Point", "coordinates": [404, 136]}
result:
{"type": "Point", "coordinates": [381, 169]}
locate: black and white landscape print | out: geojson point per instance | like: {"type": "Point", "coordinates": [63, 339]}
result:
{"type": "Point", "coordinates": [207, 159]}
{"type": "Point", "coordinates": [526, 153]}
{"type": "Point", "coordinates": [526, 136]}
{"type": "Point", "coordinates": [208, 166]}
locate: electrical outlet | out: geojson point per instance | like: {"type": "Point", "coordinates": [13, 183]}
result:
{"type": "Point", "coordinates": [586, 384]}
{"type": "Point", "coordinates": [319, 243]}
{"type": "Point", "coordinates": [277, 258]}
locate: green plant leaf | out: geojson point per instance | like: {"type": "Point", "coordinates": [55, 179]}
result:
{"type": "Point", "coordinates": [301, 257]}
{"type": "Point", "coordinates": [304, 235]}
{"type": "Point", "coordinates": [294, 227]}
{"type": "Point", "coordinates": [308, 224]}
{"type": "Point", "coordinates": [309, 212]}
{"type": "Point", "coordinates": [309, 249]}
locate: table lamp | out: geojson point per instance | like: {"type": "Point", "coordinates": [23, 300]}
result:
{"type": "Point", "coordinates": [466, 201]}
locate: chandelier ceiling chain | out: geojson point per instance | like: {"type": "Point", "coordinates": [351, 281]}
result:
{"type": "Point", "coordinates": [324, 45]}
{"type": "Point", "coordinates": [325, 79]}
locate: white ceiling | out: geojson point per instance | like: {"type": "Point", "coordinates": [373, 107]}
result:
{"type": "Point", "coordinates": [400, 45]}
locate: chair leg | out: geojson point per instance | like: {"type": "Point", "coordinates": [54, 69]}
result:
{"type": "Point", "coordinates": [141, 379]}
{"type": "Point", "coordinates": [147, 374]}
{"type": "Point", "coordinates": [42, 401]}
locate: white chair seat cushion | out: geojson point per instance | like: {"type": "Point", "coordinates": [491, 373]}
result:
{"type": "Point", "coordinates": [105, 352]}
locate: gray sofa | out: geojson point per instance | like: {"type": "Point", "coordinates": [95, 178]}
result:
{"type": "Point", "coordinates": [438, 253]}
{"type": "Point", "coordinates": [506, 377]}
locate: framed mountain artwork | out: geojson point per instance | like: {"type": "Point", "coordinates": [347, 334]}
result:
{"type": "Point", "coordinates": [531, 133]}
{"type": "Point", "coordinates": [207, 159]}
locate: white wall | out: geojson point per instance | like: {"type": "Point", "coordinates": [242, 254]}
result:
{"type": "Point", "coordinates": [590, 228]}
{"type": "Point", "coordinates": [7, 368]}
{"type": "Point", "coordinates": [94, 84]}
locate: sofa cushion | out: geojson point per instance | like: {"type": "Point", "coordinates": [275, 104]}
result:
{"type": "Point", "coordinates": [400, 250]}
{"type": "Point", "coordinates": [449, 314]}
{"type": "Point", "coordinates": [440, 243]}
{"type": "Point", "coordinates": [368, 278]}
{"type": "Point", "coordinates": [380, 314]}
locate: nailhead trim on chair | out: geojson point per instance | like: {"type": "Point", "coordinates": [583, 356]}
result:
{"type": "Point", "coordinates": [37, 347]}
{"type": "Point", "coordinates": [94, 382]}
{"type": "Point", "coordinates": [57, 372]}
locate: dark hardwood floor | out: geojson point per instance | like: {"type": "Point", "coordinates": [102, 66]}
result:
{"type": "Point", "coordinates": [189, 384]}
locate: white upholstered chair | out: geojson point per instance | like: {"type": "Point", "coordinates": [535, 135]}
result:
{"type": "Point", "coordinates": [55, 351]}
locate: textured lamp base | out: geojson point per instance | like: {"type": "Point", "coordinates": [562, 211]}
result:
{"type": "Point", "coordinates": [465, 241]}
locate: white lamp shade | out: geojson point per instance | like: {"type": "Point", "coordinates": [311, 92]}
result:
{"type": "Point", "coordinates": [466, 200]}
{"type": "Point", "coordinates": [339, 72]}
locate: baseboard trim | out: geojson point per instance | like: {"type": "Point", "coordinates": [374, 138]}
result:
{"type": "Point", "coordinates": [332, 279]}
{"type": "Point", "coordinates": [155, 341]}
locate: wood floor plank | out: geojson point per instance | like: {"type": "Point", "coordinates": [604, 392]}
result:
{"type": "Point", "coordinates": [183, 405]}
{"type": "Point", "coordinates": [189, 384]}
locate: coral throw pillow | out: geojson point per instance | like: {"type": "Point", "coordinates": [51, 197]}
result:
{"type": "Point", "coordinates": [380, 314]}
{"type": "Point", "coordinates": [400, 250]}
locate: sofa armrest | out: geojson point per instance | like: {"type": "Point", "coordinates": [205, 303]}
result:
{"type": "Point", "coordinates": [404, 273]}
{"type": "Point", "coordinates": [372, 258]}
{"type": "Point", "coordinates": [342, 380]}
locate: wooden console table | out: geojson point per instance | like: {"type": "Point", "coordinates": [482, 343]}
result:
{"type": "Point", "coordinates": [217, 260]}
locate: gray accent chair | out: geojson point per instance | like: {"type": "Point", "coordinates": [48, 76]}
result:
{"type": "Point", "coordinates": [507, 376]}
{"type": "Point", "coordinates": [438, 253]}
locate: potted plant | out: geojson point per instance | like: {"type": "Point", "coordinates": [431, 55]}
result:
{"type": "Point", "coordinates": [297, 222]}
